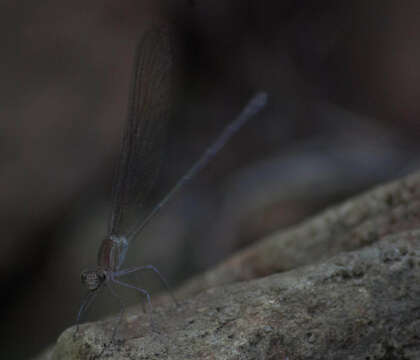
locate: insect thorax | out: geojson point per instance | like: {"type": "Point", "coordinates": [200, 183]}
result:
{"type": "Point", "coordinates": [112, 252]}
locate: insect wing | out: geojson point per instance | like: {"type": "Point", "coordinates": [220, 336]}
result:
{"type": "Point", "coordinates": [145, 132]}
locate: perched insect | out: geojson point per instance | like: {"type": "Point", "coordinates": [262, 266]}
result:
{"type": "Point", "coordinates": [138, 166]}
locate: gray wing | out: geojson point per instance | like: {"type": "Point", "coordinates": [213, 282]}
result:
{"type": "Point", "coordinates": [145, 132]}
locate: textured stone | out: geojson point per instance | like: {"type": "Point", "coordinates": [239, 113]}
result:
{"type": "Point", "coordinates": [343, 285]}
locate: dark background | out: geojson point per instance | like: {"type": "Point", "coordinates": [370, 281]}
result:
{"type": "Point", "coordinates": [343, 79]}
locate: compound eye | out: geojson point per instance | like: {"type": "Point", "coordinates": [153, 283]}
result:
{"type": "Point", "coordinates": [92, 278]}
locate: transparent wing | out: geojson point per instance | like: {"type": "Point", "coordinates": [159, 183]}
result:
{"type": "Point", "coordinates": [145, 132]}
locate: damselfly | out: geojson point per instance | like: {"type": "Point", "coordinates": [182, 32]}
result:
{"type": "Point", "coordinates": [137, 169]}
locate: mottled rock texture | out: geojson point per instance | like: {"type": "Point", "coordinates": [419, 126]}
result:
{"type": "Point", "coordinates": [343, 285]}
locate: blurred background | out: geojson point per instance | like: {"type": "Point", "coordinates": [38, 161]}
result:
{"type": "Point", "coordinates": [343, 79]}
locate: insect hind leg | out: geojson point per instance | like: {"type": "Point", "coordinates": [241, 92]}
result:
{"type": "Point", "coordinates": [152, 268]}
{"type": "Point", "coordinates": [145, 293]}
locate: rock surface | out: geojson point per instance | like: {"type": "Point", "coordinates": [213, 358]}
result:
{"type": "Point", "coordinates": [358, 222]}
{"type": "Point", "coordinates": [353, 293]}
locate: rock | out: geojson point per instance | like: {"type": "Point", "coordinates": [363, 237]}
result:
{"type": "Point", "coordinates": [357, 305]}
{"type": "Point", "coordinates": [358, 222]}
{"type": "Point", "coordinates": [343, 285]}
